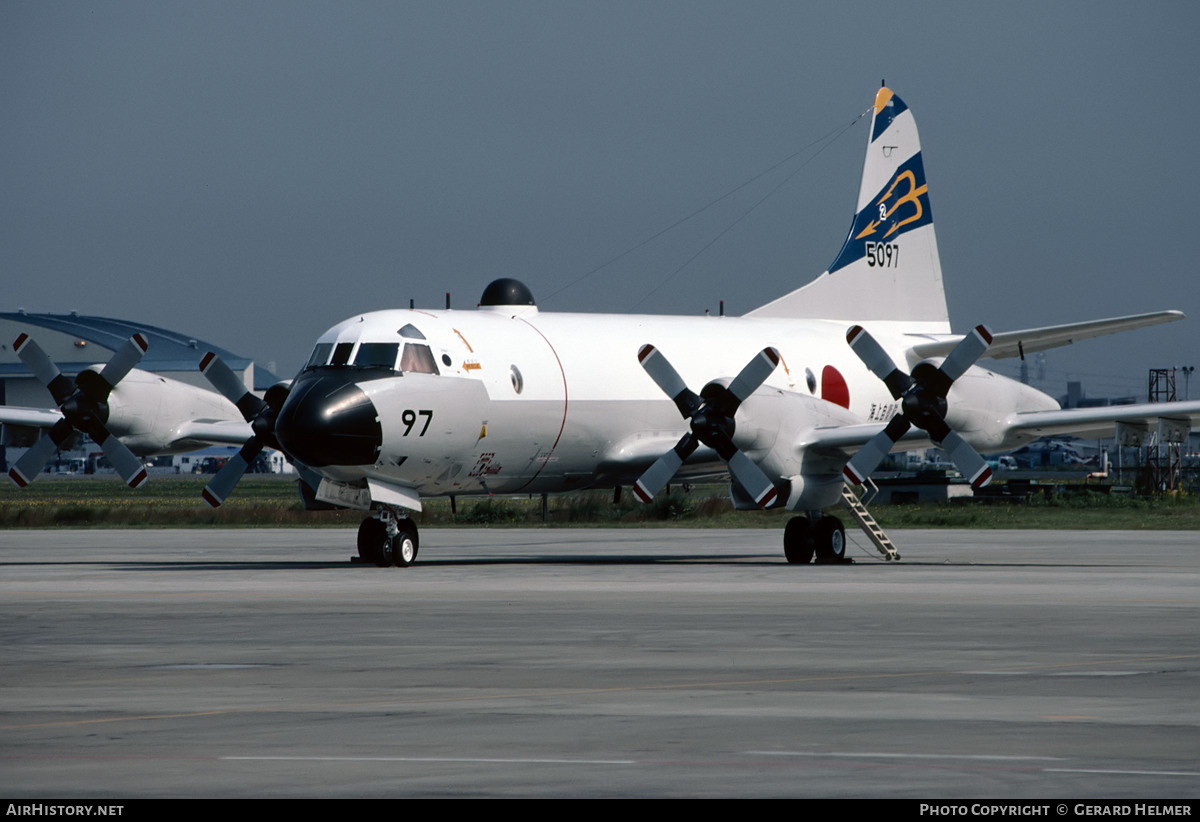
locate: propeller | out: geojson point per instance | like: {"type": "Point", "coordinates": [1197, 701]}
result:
{"type": "Point", "coordinates": [260, 413]}
{"type": "Point", "coordinates": [84, 404]}
{"type": "Point", "coordinates": [922, 396]}
{"type": "Point", "coordinates": [711, 418]}
{"type": "Point", "coordinates": [261, 416]}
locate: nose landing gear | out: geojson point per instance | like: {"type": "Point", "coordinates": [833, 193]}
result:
{"type": "Point", "coordinates": [388, 539]}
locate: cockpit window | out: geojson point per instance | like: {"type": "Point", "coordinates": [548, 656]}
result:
{"type": "Point", "coordinates": [417, 358]}
{"type": "Point", "coordinates": [410, 331]}
{"type": "Point", "coordinates": [320, 355]}
{"type": "Point", "coordinates": [379, 354]}
{"type": "Point", "coordinates": [341, 354]}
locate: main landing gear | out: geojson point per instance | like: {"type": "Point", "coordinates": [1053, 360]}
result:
{"type": "Point", "coordinates": [388, 539]}
{"type": "Point", "coordinates": [822, 536]}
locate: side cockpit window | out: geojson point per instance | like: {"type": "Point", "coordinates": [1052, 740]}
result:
{"type": "Point", "coordinates": [320, 355]}
{"type": "Point", "coordinates": [418, 359]}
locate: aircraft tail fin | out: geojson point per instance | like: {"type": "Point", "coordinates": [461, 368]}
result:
{"type": "Point", "coordinates": [888, 268]}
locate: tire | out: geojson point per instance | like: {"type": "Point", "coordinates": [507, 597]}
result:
{"type": "Point", "coordinates": [373, 542]}
{"type": "Point", "coordinates": [830, 537]}
{"type": "Point", "coordinates": [404, 546]}
{"type": "Point", "coordinates": [797, 541]}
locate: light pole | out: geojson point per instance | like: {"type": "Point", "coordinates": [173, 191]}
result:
{"type": "Point", "coordinates": [1187, 374]}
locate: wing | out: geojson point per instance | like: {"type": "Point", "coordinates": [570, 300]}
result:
{"type": "Point", "coordinates": [41, 418]}
{"type": "Point", "coordinates": [1014, 343]}
{"type": "Point", "coordinates": [1171, 420]}
{"type": "Point", "coordinates": [1165, 417]}
{"type": "Point", "coordinates": [210, 432]}
{"type": "Point", "coordinates": [846, 440]}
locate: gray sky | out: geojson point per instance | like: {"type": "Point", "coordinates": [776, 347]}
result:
{"type": "Point", "coordinates": [254, 172]}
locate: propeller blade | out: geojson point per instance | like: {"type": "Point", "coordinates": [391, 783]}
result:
{"type": "Point", "coordinates": [877, 448]}
{"type": "Point", "coordinates": [131, 469]}
{"type": "Point", "coordinates": [876, 359]}
{"type": "Point", "coordinates": [965, 354]}
{"type": "Point", "coordinates": [43, 368]}
{"type": "Point", "coordinates": [83, 409]}
{"type": "Point", "coordinates": [123, 360]}
{"type": "Point", "coordinates": [32, 461]}
{"type": "Point", "coordinates": [220, 486]}
{"type": "Point", "coordinates": [667, 378]}
{"type": "Point", "coordinates": [752, 479]}
{"type": "Point", "coordinates": [310, 477]}
{"type": "Point", "coordinates": [924, 393]}
{"type": "Point", "coordinates": [229, 386]}
{"type": "Point", "coordinates": [967, 460]}
{"type": "Point", "coordinates": [753, 375]}
{"type": "Point", "coordinates": [712, 423]}
{"type": "Point", "coordinates": [659, 474]}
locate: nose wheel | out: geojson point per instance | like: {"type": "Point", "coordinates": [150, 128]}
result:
{"type": "Point", "coordinates": [386, 539]}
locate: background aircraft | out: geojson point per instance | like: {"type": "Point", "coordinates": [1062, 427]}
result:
{"type": "Point", "coordinates": [794, 397]}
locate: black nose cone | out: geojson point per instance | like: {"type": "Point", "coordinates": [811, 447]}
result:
{"type": "Point", "coordinates": [328, 420]}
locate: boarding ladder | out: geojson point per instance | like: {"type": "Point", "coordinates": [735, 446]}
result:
{"type": "Point", "coordinates": [867, 523]}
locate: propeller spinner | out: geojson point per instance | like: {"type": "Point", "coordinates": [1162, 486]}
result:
{"type": "Point", "coordinates": [84, 404]}
{"type": "Point", "coordinates": [711, 418]}
{"type": "Point", "coordinates": [922, 396]}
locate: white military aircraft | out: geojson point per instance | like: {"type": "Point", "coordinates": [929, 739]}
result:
{"type": "Point", "coordinates": [125, 410]}
{"type": "Point", "coordinates": [795, 398]}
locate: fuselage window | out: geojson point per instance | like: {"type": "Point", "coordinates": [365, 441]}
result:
{"type": "Point", "coordinates": [341, 354]}
{"type": "Point", "coordinates": [320, 355]}
{"type": "Point", "coordinates": [417, 359]}
{"type": "Point", "coordinates": [411, 332]}
{"type": "Point", "coordinates": [378, 354]}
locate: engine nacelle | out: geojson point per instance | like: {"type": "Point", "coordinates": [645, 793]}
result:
{"type": "Point", "coordinates": [147, 411]}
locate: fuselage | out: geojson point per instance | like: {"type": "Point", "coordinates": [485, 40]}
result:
{"type": "Point", "coordinates": [147, 411]}
{"type": "Point", "coordinates": [511, 400]}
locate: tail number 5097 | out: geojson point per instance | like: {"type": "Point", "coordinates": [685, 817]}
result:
{"type": "Point", "coordinates": [884, 255]}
